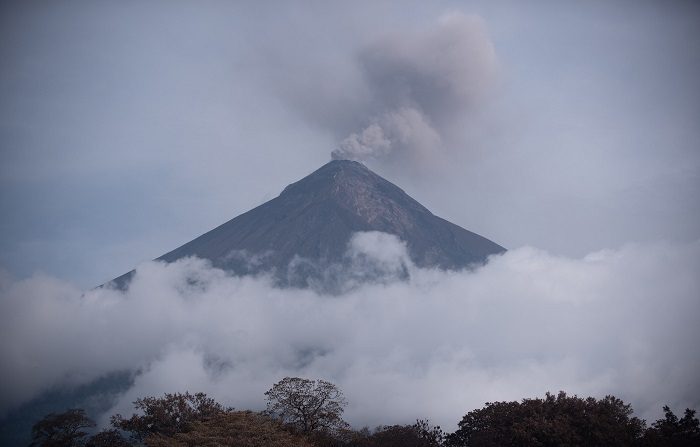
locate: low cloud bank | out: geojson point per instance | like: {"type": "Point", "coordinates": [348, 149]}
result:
{"type": "Point", "coordinates": [437, 345]}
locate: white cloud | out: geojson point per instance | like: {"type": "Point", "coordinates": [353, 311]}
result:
{"type": "Point", "coordinates": [437, 345]}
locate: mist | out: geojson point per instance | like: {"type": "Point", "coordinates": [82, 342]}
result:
{"type": "Point", "coordinates": [434, 345]}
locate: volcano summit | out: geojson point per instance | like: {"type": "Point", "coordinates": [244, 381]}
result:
{"type": "Point", "coordinates": [301, 234]}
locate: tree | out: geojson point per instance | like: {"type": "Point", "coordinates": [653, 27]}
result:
{"type": "Point", "coordinates": [673, 432]}
{"type": "Point", "coordinates": [552, 421]}
{"type": "Point", "coordinates": [235, 428]}
{"type": "Point", "coordinates": [432, 434]}
{"type": "Point", "coordinates": [61, 430]}
{"type": "Point", "coordinates": [108, 438]}
{"type": "Point", "coordinates": [307, 405]}
{"type": "Point", "coordinates": [167, 415]}
{"type": "Point", "coordinates": [420, 434]}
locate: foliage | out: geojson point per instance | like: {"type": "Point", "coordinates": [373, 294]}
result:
{"type": "Point", "coordinates": [307, 413]}
{"type": "Point", "coordinates": [63, 429]}
{"type": "Point", "coordinates": [167, 415]}
{"type": "Point", "coordinates": [239, 428]}
{"type": "Point", "coordinates": [108, 438]}
{"type": "Point", "coordinates": [433, 434]}
{"type": "Point", "coordinates": [553, 421]}
{"type": "Point", "coordinates": [307, 405]}
{"type": "Point", "coordinates": [673, 432]}
{"type": "Point", "coordinates": [420, 434]}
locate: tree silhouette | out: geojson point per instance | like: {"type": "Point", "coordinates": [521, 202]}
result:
{"type": "Point", "coordinates": [552, 421]}
{"type": "Point", "coordinates": [62, 429]}
{"type": "Point", "coordinates": [420, 434]}
{"type": "Point", "coordinates": [673, 432]}
{"type": "Point", "coordinates": [108, 438]}
{"type": "Point", "coordinates": [307, 405]}
{"type": "Point", "coordinates": [167, 415]}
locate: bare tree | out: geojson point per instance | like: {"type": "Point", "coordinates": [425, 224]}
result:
{"type": "Point", "coordinates": [308, 405]}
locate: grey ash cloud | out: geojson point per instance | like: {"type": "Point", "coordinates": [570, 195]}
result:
{"type": "Point", "coordinates": [423, 85]}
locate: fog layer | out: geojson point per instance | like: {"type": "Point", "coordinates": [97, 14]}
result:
{"type": "Point", "coordinates": [437, 345]}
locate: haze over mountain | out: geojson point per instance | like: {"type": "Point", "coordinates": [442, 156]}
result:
{"type": "Point", "coordinates": [301, 237]}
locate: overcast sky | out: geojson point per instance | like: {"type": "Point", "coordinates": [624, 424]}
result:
{"type": "Point", "coordinates": [564, 131]}
{"type": "Point", "coordinates": [127, 129]}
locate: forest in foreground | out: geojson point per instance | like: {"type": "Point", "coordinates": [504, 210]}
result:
{"type": "Point", "coordinates": [309, 413]}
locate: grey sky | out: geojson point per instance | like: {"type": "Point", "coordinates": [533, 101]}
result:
{"type": "Point", "coordinates": [127, 129]}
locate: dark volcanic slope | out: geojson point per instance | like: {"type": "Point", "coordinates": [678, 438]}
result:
{"type": "Point", "coordinates": [315, 217]}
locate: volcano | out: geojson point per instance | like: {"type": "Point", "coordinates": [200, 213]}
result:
{"type": "Point", "coordinates": [298, 235]}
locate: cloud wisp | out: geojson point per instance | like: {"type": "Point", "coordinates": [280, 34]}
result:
{"type": "Point", "coordinates": [436, 345]}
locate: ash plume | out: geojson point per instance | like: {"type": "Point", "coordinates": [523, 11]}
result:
{"type": "Point", "coordinates": [423, 87]}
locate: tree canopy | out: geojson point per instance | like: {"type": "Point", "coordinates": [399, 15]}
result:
{"type": "Point", "coordinates": [62, 429]}
{"type": "Point", "coordinates": [308, 405]}
{"type": "Point", "coordinates": [420, 434]}
{"type": "Point", "coordinates": [308, 413]}
{"type": "Point", "coordinates": [235, 428]}
{"type": "Point", "coordinates": [167, 415]}
{"type": "Point", "coordinates": [670, 431]}
{"type": "Point", "coordinates": [553, 421]}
